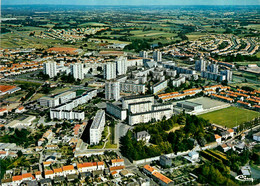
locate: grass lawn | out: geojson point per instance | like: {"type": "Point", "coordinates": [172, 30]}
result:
{"type": "Point", "coordinates": [110, 146]}
{"type": "Point", "coordinates": [37, 96]}
{"type": "Point", "coordinates": [230, 117]}
{"type": "Point", "coordinates": [96, 147]}
{"type": "Point", "coordinates": [59, 90]}
{"type": "Point", "coordinates": [258, 54]}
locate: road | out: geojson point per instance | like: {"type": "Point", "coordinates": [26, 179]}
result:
{"type": "Point", "coordinates": [121, 130]}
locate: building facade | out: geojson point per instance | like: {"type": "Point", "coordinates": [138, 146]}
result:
{"type": "Point", "coordinates": [77, 71]}
{"type": "Point", "coordinates": [50, 68]}
{"type": "Point", "coordinates": [110, 71]}
{"type": "Point", "coordinates": [97, 128]}
{"type": "Point", "coordinates": [112, 90]}
{"type": "Point", "coordinates": [132, 88]}
{"type": "Point", "coordinates": [157, 56]}
{"type": "Point", "coordinates": [200, 65]}
{"type": "Point", "coordinates": [121, 65]}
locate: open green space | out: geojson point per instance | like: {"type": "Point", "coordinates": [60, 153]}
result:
{"type": "Point", "coordinates": [231, 116]}
{"type": "Point", "coordinates": [253, 26]}
{"type": "Point", "coordinates": [195, 35]}
{"type": "Point", "coordinates": [258, 54]}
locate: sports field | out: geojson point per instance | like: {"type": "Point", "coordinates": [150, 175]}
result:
{"type": "Point", "coordinates": [230, 117]}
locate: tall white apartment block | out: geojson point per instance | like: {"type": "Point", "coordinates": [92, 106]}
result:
{"type": "Point", "coordinates": [157, 56]}
{"type": "Point", "coordinates": [213, 68]}
{"type": "Point", "coordinates": [77, 71]}
{"type": "Point", "coordinates": [97, 127]}
{"type": "Point", "coordinates": [50, 68]}
{"type": "Point", "coordinates": [143, 54]}
{"type": "Point", "coordinates": [121, 65]}
{"type": "Point", "coordinates": [112, 90]}
{"type": "Point", "coordinates": [200, 65]}
{"type": "Point", "coordinates": [227, 74]}
{"type": "Point", "coordinates": [110, 71]}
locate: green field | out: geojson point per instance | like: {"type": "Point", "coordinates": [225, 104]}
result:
{"type": "Point", "coordinates": [195, 35]}
{"type": "Point", "coordinates": [230, 117]}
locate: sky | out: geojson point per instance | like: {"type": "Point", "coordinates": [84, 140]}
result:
{"type": "Point", "coordinates": [132, 2]}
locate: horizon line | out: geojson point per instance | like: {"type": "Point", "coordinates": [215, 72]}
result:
{"type": "Point", "coordinates": [130, 5]}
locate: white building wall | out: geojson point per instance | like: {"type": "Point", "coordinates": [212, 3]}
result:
{"type": "Point", "coordinates": [159, 87]}
{"type": "Point", "coordinates": [157, 56]}
{"type": "Point", "coordinates": [77, 71]}
{"type": "Point", "coordinates": [97, 127]}
{"type": "Point", "coordinates": [121, 65]}
{"type": "Point", "coordinates": [50, 68]}
{"type": "Point", "coordinates": [110, 71]}
{"type": "Point", "coordinates": [125, 101]}
{"type": "Point", "coordinates": [112, 90]}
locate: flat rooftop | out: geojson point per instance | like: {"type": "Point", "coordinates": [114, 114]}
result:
{"type": "Point", "coordinates": [207, 102]}
{"type": "Point", "coordinates": [188, 103]}
{"type": "Point", "coordinates": [96, 122]}
{"type": "Point", "coordinates": [148, 112]}
{"type": "Point", "coordinates": [137, 97]}
{"type": "Point", "coordinates": [139, 103]}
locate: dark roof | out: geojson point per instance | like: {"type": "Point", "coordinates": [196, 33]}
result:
{"type": "Point", "coordinates": [59, 179]}
{"type": "Point", "coordinates": [47, 180]}
{"type": "Point", "coordinates": [141, 134]}
{"type": "Point", "coordinates": [86, 174]}
{"type": "Point", "coordinates": [29, 183]}
{"type": "Point", "coordinates": [138, 103]}
{"type": "Point", "coordinates": [137, 97]}
{"type": "Point", "coordinates": [72, 176]}
{"type": "Point", "coordinates": [159, 83]}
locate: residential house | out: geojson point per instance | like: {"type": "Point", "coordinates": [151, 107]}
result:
{"type": "Point", "coordinates": [57, 172]}
{"type": "Point", "coordinates": [225, 148]}
{"type": "Point", "coordinates": [100, 165]}
{"type": "Point", "coordinates": [218, 138]}
{"type": "Point", "coordinates": [38, 175]}
{"type": "Point", "coordinates": [117, 162]}
{"type": "Point", "coordinates": [111, 169]}
{"type": "Point", "coordinates": [86, 167]}
{"type": "Point", "coordinates": [165, 161]}
{"type": "Point", "coordinates": [224, 134]}
{"type": "Point", "coordinates": [148, 170]}
{"type": "Point", "coordinates": [48, 174]}
{"type": "Point", "coordinates": [17, 180]}
{"type": "Point", "coordinates": [231, 132]}
{"type": "Point", "coordinates": [115, 174]}
{"type": "Point", "coordinates": [143, 135]}
{"type": "Point", "coordinates": [68, 169]}
{"type": "Point", "coordinates": [163, 180]}
{"type": "Point", "coordinates": [20, 109]}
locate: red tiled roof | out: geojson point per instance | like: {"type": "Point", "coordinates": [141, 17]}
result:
{"type": "Point", "coordinates": [4, 88]}
{"type": "Point", "coordinates": [117, 160]}
{"type": "Point", "coordinates": [162, 177]}
{"type": "Point", "coordinates": [48, 172]}
{"type": "Point", "coordinates": [149, 168]}
{"type": "Point", "coordinates": [67, 167]}
{"type": "Point", "coordinates": [17, 178]}
{"type": "Point", "coordinates": [116, 168]}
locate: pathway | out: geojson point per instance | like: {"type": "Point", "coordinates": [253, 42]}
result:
{"type": "Point", "coordinates": [106, 140]}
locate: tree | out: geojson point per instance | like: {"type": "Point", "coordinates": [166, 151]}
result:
{"type": "Point", "coordinates": [19, 153]}
{"type": "Point", "coordinates": [99, 69]}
